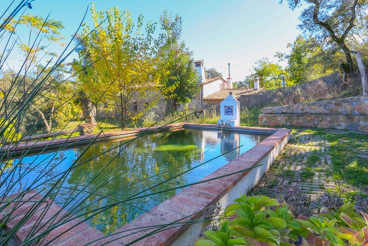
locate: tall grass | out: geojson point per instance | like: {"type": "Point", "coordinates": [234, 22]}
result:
{"type": "Point", "coordinates": [46, 175]}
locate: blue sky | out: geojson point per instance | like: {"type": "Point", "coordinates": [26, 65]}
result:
{"type": "Point", "coordinates": [217, 31]}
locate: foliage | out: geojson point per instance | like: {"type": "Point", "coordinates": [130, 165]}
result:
{"type": "Point", "coordinates": [299, 202]}
{"type": "Point", "coordinates": [7, 132]}
{"type": "Point", "coordinates": [51, 105]}
{"type": "Point", "coordinates": [249, 117]}
{"type": "Point", "coordinates": [331, 201]}
{"type": "Point", "coordinates": [268, 73]}
{"type": "Point", "coordinates": [361, 203]}
{"type": "Point", "coordinates": [116, 62]}
{"type": "Point", "coordinates": [308, 60]}
{"type": "Point", "coordinates": [211, 73]}
{"type": "Point", "coordinates": [335, 24]}
{"type": "Point", "coordinates": [255, 222]}
{"type": "Point", "coordinates": [80, 184]}
{"type": "Point", "coordinates": [176, 73]}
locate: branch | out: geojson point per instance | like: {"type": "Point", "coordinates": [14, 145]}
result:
{"type": "Point", "coordinates": [43, 118]}
{"type": "Point", "coordinates": [316, 21]}
{"type": "Point", "coordinates": [351, 21]}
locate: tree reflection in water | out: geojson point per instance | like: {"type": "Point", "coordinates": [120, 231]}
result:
{"type": "Point", "coordinates": [128, 168]}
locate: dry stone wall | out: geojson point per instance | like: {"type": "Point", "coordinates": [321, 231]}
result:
{"type": "Point", "coordinates": [316, 89]}
{"type": "Point", "coordinates": [346, 113]}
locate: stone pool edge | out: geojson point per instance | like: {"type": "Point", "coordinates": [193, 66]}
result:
{"type": "Point", "coordinates": [169, 222]}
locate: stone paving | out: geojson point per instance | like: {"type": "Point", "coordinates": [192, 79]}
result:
{"type": "Point", "coordinates": [305, 162]}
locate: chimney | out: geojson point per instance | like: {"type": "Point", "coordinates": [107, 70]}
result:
{"type": "Point", "coordinates": [229, 81]}
{"type": "Point", "coordinates": [199, 65]}
{"type": "Point", "coordinates": [256, 83]}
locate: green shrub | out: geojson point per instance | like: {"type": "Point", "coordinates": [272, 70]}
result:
{"type": "Point", "coordinates": [264, 220]}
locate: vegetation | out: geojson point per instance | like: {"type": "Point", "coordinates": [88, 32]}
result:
{"type": "Point", "coordinates": [49, 89]}
{"type": "Point", "coordinates": [268, 73]}
{"type": "Point", "coordinates": [335, 24]}
{"type": "Point", "coordinates": [211, 73]}
{"type": "Point", "coordinates": [176, 73]}
{"type": "Point", "coordinates": [260, 219]}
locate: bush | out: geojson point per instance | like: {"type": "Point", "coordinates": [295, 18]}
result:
{"type": "Point", "coordinates": [264, 221]}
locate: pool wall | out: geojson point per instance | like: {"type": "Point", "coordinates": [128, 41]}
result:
{"type": "Point", "coordinates": [177, 221]}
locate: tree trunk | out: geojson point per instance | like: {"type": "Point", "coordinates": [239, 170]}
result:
{"type": "Point", "coordinates": [363, 74]}
{"type": "Point", "coordinates": [123, 111]}
{"type": "Point", "coordinates": [170, 106]}
{"type": "Point", "coordinates": [89, 110]}
{"type": "Point", "coordinates": [48, 127]}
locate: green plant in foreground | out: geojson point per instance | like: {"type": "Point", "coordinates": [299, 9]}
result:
{"type": "Point", "coordinates": [256, 223]}
{"type": "Point", "coordinates": [263, 221]}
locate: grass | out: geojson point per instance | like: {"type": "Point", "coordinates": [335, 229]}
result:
{"type": "Point", "coordinates": [306, 174]}
{"type": "Point", "coordinates": [312, 160]}
{"type": "Point", "coordinates": [249, 117]}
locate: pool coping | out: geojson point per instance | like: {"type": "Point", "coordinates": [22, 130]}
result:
{"type": "Point", "coordinates": [174, 221]}
{"type": "Point", "coordinates": [64, 143]}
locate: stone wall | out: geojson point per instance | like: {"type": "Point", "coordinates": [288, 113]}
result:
{"type": "Point", "coordinates": [319, 89]}
{"type": "Point", "coordinates": [346, 113]}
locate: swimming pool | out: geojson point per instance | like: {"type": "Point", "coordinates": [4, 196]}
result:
{"type": "Point", "coordinates": [114, 182]}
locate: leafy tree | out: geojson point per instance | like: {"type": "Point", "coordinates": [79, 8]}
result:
{"type": "Point", "coordinates": [177, 76]}
{"type": "Point", "coordinates": [308, 60]}
{"type": "Point", "coordinates": [212, 73]}
{"type": "Point", "coordinates": [41, 34]}
{"type": "Point", "coordinates": [332, 23]}
{"type": "Point", "coordinates": [267, 72]}
{"type": "Point", "coordinates": [116, 63]}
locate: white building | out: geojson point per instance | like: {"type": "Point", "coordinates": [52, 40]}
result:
{"type": "Point", "coordinates": [209, 86]}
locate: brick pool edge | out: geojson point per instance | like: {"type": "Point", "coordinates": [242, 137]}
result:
{"type": "Point", "coordinates": [174, 222]}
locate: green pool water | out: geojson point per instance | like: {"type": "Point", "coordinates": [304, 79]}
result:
{"type": "Point", "coordinates": [129, 177]}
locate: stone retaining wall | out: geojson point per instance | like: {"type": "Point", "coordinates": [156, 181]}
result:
{"type": "Point", "coordinates": [345, 113]}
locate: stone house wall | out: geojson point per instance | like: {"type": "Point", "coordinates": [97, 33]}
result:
{"type": "Point", "coordinates": [345, 113]}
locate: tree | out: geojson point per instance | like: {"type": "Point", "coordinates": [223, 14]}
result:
{"type": "Point", "coordinates": [244, 84]}
{"type": "Point", "coordinates": [331, 22]}
{"type": "Point", "coordinates": [308, 61]}
{"type": "Point", "coordinates": [267, 72]}
{"type": "Point", "coordinates": [41, 34]}
{"type": "Point", "coordinates": [177, 75]}
{"type": "Point", "coordinates": [212, 73]}
{"type": "Point", "coordinates": [115, 67]}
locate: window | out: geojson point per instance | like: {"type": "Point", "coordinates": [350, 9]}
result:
{"type": "Point", "coordinates": [146, 105]}
{"type": "Point", "coordinates": [135, 106]}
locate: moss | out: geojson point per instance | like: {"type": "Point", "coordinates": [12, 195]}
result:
{"type": "Point", "coordinates": [173, 147]}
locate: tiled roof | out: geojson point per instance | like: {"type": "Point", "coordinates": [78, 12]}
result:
{"type": "Point", "coordinates": [212, 80]}
{"type": "Point", "coordinates": [222, 94]}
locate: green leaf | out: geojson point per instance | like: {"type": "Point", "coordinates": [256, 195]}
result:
{"type": "Point", "coordinates": [204, 242]}
{"type": "Point", "coordinates": [217, 237]}
{"type": "Point", "coordinates": [237, 241]}
{"type": "Point", "coordinates": [306, 224]}
{"type": "Point", "coordinates": [245, 232]}
{"type": "Point", "coordinates": [293, 225]}
{"type": "Point", "coordinates": [277, 223]}
{"type": "Point", "coordinates": [285, 244]}
{"type": "Point", "coordinates": [263, 233]}
{"type": "Point", "coordinates": [231, 209]}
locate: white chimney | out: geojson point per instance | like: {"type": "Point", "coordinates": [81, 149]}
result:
{"type": "Point", "coordinates": [199, 65]}
{"type": "Point", "coordinates": [229, 80]}
{"type": "Point", "coordinates": [256, 83]}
